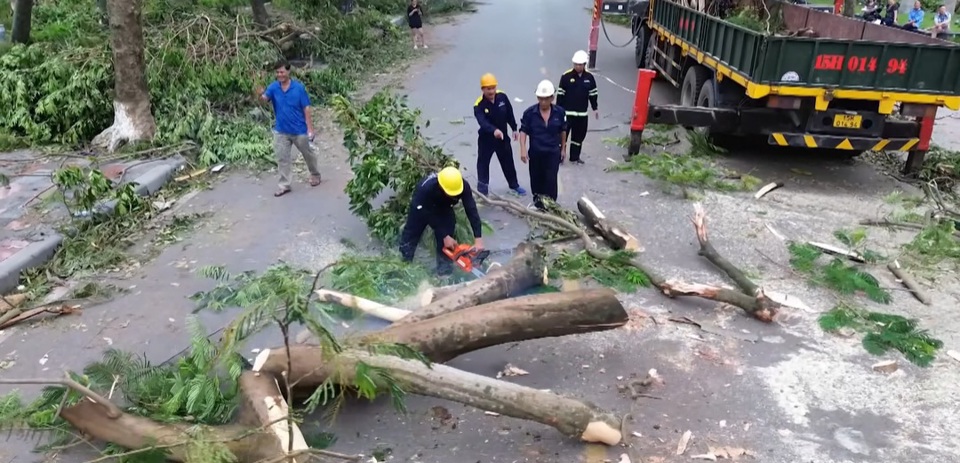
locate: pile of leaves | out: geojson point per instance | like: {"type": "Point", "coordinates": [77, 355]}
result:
{"type": "Point", "coordinates": [615, 272]}
{"type": "Point", "coordinates": [203, 61]}
{"type": "Point", "coordinates": [883, 332]}
{"type": "Point", "coordinates": [697, 169]}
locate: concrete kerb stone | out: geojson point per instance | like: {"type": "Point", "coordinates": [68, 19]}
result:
{"type": "Point", "coordinates": [40, 252]}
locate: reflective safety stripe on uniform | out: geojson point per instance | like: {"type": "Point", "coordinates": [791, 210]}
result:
{"type": "Point", "coordinates": [578, 114]}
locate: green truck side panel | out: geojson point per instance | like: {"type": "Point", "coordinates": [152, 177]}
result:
{"type": "Point", "coordinates": [859, 64]}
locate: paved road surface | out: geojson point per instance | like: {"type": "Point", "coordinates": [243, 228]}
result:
{"type": "Point", "coordinates": [785, 392]}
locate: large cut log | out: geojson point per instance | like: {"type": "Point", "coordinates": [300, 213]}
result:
{"type": "Point", "coordinates": [571, 417]}
{"type": "Point", "coordinates": [612, 232]}
{"type": "Point", "coordinates": [524, 271]}
{"type": "Point", "coordinates": [136, 433]}
{"type": "Point", "coordinates": [429, 295]}
{"type": "Point", "coordinates": [450, 335]}
{"type": "Point", "coordinates": [264, 407]}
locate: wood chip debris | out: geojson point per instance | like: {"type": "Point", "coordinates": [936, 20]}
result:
{"type": "Point", "coordinates": [954, 355]}
{"type": "Point", "coordinates": [886, 366]}
{"type": "Point", "coordinates": [766, 189]}
{"type": "Point", "coordinates": [723, 453]}
{"type": "Point", "coordinates": [624, 458]}
{"type": "Point", "coordinates": [510, 370]}
{"type": "Point", "coordinates": [684, 441]}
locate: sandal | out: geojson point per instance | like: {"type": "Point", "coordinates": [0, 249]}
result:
{"type": "Point", "coordinates": [315, 180]}
{"type": "Point", "coordinates": [281, 192]}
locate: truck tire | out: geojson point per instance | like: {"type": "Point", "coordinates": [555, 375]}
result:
{"type": "Point", "coordinates": [709, 97]}
{"type": "Point", "coordinates": [693, 81]}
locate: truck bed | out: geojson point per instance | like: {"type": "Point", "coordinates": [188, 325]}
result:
{"type": "Point", "coordinates": [847, 53]}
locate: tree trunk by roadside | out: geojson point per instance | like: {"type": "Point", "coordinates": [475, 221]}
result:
{"type": "Point", "coordinates": [260, 16]}
{"type": "Point", "coordinates": [22, 16]}
{"type": "Point", "coordinates": [132, 117]}
{"type": "Point", "coordinates": [849, 7]}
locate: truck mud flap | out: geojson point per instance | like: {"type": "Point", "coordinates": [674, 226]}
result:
{"type": "Point", "coordinates": [802, 140]}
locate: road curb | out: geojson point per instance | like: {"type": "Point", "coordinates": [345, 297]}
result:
{"type": "Point", "coordinates": [40, 252]}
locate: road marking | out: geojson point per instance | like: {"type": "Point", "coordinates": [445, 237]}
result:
{"type": "Point", "coordinates": [616, 84]}
{"type": "Point", "coordinates": [541, 53]}
{"type": "Point", "coordinates": [543, 71]}
{"type": "Point", "coordinates": [540, 39]}
{"type": "Point", "coordinates": [539, 31]}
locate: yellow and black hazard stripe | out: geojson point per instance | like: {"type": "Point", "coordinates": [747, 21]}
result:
{"type": "Point", "coordinates": [803, 140]}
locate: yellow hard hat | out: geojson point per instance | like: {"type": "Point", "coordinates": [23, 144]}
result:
{"type": "Point", "coordinates": [450, 181]}
{"type": "Point", "coordinates": [488, 80]}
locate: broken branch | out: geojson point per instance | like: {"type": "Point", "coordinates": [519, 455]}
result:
{"type": "Point", "coordinates": [612, 232]}
{"type": "Point", "coordinates": [908, 282]}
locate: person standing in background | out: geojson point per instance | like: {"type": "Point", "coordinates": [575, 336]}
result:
{"type": "Point", "coordinates": [576, 94]}
{"type": "Point", "coordinates": [494, 113]}
{"type": "Point", "coordinates": [415, 20]}
{"type": "Point", "coordinates": [293, 127]}
{"type": "Point", "coordinates": [545, 124]}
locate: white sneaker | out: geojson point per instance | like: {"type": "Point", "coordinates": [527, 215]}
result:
{"type": "Point", "coordinates": [415, 47]}
{"type": "Point", "coordinates": [424, 45]}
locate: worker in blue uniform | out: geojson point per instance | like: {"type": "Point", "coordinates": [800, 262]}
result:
{"type": "Point", "coordinates": [576, 93]}
{"type": "Point", "coordinates": [494, 113]}
{"type": "Point", "coordinates": [545, 126]}
{"type": "Point", "coordinates": [432, 206]}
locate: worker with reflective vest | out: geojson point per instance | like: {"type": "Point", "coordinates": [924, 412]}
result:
{"type": "Point", "coordinates": [545, 125]}
{"type": "Point", "coordinates": [432, 206]}
{"type": "Point", "coordinates": [494, 113]}
{"type": "Point", "coordinates": [576, 94]}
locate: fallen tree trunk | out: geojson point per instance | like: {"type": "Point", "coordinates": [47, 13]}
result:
{"type": "Point", "coordinates": [524, 271]}
{"type": "Point", "coordinates": [450, 335]}
{"type": "Point", "coordinates": [136, 433]}
{"type": "Point", "coordinates": [265, 408]}
{"type": "Point", "coordinates": [569, 416]}
{"type": "Point", "coordinates": [615, 234]}
{"type": "Point", "coordinates": [429, 295]}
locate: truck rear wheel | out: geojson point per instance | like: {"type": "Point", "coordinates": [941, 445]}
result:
{"type": "Point", "coordinates": [693, 81]}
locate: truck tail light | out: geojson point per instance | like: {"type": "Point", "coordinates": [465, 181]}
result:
{"type": "Point", "coordinates": [783, 102]}
{"type": "Point", "coordinates": [918, 110]}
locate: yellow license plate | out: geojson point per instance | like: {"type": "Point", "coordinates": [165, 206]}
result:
{"type": "Point", "coordinates": [847, 121]}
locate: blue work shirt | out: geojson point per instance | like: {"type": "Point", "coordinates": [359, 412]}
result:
{"type": "Point", "coordinates": [494, 115]}
{"type": "Point", "coordinates": [544, 136]}
{"type": "Point", "coordinates": [916, 16]}
{"type": "Point", "coordinates": [288, 107]}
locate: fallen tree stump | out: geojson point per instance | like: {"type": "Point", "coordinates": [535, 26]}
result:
{"type": "Point", "coordinates": [569, 416]}
{"type": "Point", "coordinates": [525, 270]}
{"type": "Point", "coordinates": [615, 234]}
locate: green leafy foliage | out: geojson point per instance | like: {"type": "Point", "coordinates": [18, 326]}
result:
{"type": "Point", "coordinates": [936, 243]}
{"type": "Point", "coordinates": [384, 279]}
{"type": "Point", "coordinates": [387, 153]}
{"type": "Point", "coordinates": [189, 387]}
{"type": "Point", "coordinates": [855, 240]}
{"type": "Point", "coordinates": [836, 273]}
{"type": "Point", "coordinates": [203, 61]}
{"type": "Point", "coordinates": [614, 272]}
{"type": "Point", "coordinates": [883, 332]}
{"type": "Point", "coordinates": [695, 169]}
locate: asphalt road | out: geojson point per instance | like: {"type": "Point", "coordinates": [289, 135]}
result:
{"type": "Point", "coordinates": [785, 392]}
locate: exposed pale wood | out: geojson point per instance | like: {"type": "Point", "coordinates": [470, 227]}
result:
{"type": "Point", "coordinates": [366, 306]}
{"type": "Point", "coordinates": [612, 232]}
{"type": "Point", "coordinates": [909, 282]}
{"type": "Point", "coordinates": [264, 407]}
{"type": "Point", "coordinates": [829, 249]}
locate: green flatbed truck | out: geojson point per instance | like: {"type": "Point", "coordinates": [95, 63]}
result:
{"type": "Point", "coordinates": [834, 83]}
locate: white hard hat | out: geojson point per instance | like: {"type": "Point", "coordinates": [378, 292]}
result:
{"type": "Point", "coordinates": [544, 89]}
{"type": "Point", "coordinates": [580, 57]}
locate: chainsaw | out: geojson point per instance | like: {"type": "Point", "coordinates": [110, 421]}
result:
{"type": "Point", "coordinates": [468, 258]}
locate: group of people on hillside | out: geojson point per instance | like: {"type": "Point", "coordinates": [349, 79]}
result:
{"type": "Point", "coordinates": [914, 23]}
{"type": "Point", "coordinates": [541, 133]}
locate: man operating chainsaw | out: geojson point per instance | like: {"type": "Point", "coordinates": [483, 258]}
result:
{"type": "Point", "coordinates": [433, 205]}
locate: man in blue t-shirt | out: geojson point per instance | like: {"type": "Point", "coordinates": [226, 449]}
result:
{"type": "Point", "coordinates": [294, 126]}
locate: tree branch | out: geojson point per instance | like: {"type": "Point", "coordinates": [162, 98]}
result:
{"type": "Point", "coordinates": [112, 410]}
